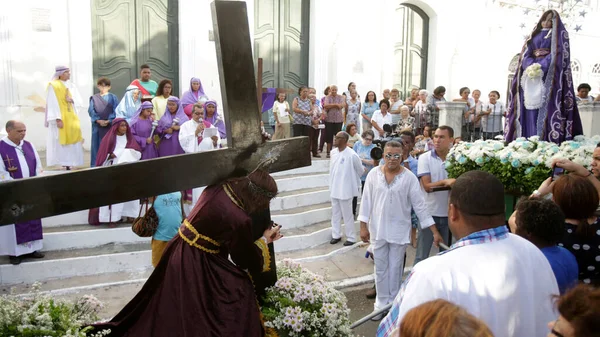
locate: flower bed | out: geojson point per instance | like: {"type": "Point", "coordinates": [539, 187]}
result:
{"type": "Point", "coordinates": [302, 304]}
{"type": "Point", "coordinates": [41, 315]}
{"type": "Point", "coordinates": [523, 164]}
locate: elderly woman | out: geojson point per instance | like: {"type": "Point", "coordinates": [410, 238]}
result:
{"type": "Point", "coordinates": [421, 112]}
{"type": "Point", "coordinates": [406, 121]}
{"type": "Point", "coordinates": [353, 132]}
{"type": "Point", "coordinates": [413, 99]}
{"type": "Point", "coordinates": [363, 149]}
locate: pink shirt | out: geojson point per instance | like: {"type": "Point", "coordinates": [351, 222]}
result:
{"type": "Point", "coordinates": [334, 115]}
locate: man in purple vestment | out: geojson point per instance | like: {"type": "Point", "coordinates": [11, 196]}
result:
{"type": "Point", "coordinates": [542, 99]}
{"type": "Point", "coordinates": [19, 160]}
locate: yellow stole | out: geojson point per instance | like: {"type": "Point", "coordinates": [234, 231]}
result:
{"type": "Point", "coordinates": [71, 131]}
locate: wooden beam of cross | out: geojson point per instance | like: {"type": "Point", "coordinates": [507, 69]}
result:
{"type": "Point", "coordinates": [39, 197]}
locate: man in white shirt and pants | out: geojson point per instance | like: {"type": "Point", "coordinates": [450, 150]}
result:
{"type": "Point", "coordinates": [192, 139]}
{"type": "Point", "coordinates": [385, 220]}
{"type": "Point", "coordinates": [345, 169]}
{"type": "Point", "coordinates": [498, 277]}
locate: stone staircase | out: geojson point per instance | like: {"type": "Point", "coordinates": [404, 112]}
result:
{"type": "Point", "coordinates": [111, 261]}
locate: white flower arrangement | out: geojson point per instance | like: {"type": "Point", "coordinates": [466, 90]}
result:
{"type": "Point", "coordinates": [41, 315]}
{"type": "Point", "coordinates": [522, 164]}
{"type": "Point", "coordinates": [302, 303]}
{"type": "Point", "coordinates": [534, 71]}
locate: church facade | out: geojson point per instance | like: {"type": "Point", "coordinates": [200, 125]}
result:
{"type": "Point", "coordinates": [376, 44]}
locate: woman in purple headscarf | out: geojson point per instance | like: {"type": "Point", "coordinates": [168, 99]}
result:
{"type": "Point", "coordinates": [212, 115]}
{"type": "Point", "coordinates": [168, 128]}
{"type": "Point", "coordinates": [542, 99]}
{"type": "Point", "coordinates": [192, 96]}
{"type": "Point", "coordinates": [142, 128]}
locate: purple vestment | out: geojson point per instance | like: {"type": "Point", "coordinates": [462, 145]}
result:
{"type": "Point", "coordinates": [558, 118]}
{"type": "Point", "coordinates": [215, 119]}
{"type": "Point", "coordinates": [141, 131]}
{"type": "Point", "coordinates": [169, 143]}
{"type": "Point", "coordinates": [30, 230]}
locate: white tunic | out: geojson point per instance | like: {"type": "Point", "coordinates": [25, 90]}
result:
{"type": "Point", "coordinates": [507, 283]}
{"type": "Point", "coordinates": [128, 208]}
{"type": "Point", "coordinates": [345, 170]}
{"type": "Point", "coordinates": [189, 142]}
{"type": "Point", "coordinates": [8, 234]}
{"type": "Point", "coordinates": [57, 154]}
{"type": "Point", "coordinates": [386, 208]}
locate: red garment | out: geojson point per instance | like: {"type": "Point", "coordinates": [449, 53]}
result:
{"type": "Point", "coordinates": [143, 90]}
{"type": "Point", "coordinates": [193, 292]}
{"type": "Point", "coordinates": [107, 146]}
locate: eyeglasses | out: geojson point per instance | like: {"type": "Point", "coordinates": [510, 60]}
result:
{"type": "Point", "coordinates": [369, 139]}
{"type": "Point", "coordinates": [392, 156]}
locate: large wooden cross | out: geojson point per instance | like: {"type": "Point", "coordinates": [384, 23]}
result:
{"type": "Point", "coordinates": [39, 197]}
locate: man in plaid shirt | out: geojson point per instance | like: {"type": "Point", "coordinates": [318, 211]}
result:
{"type": "Point", "coordinates": [496, 276]}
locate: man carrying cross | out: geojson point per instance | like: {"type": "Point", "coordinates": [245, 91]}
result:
{"type": "Point", "coordinates": [19, 160]}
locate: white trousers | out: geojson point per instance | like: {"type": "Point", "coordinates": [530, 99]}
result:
{"type": "Point", "coordinates": [117, 211]}
{"type": "Point", "coordinates": [342, 208]}
{"type": "Point", "coordinates": [389, 267]}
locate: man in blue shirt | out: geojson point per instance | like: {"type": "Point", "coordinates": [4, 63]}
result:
{"type": "Point", "coordinates": [542, 223]}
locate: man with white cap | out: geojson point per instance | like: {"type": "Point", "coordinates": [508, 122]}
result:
{"type": "Point", "coordinates": [64, 142]}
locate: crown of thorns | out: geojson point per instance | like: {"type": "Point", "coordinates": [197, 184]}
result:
{"type": "Point", "coordinates": [255, 189]}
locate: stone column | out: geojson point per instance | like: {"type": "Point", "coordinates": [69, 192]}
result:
{"type": "Point", "coordinates": [451, 115]}
{"type": "Point", "coordinates": [590, 118]}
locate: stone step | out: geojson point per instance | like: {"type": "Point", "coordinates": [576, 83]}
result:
{"type": "Point", "coordinates": [300, 198]}
{"type": "Point", "coordinates": [316, 166]}
{"type": "Point", "coordinates": [294, 182]}
{"type": "Point", "coordinates": [301, 238]}
{"type": "Point", "coordinates": [78, 262]}
{"type": "Point", "coordinates": [299, 205]}
{"type": "Point", "coordinates": [86, 236]}
{"type": "Point", "coordinates": [302, 216]}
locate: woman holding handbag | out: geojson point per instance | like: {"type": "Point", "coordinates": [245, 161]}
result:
{"type": "Point", "coordinates": [169, 210]}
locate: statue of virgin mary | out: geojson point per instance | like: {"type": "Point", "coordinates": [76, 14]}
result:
{"type": "Point", "coordinates": [542, 100]}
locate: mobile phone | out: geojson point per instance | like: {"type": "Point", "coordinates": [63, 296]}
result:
{"type": "Point", "coordinates": [557, 172]}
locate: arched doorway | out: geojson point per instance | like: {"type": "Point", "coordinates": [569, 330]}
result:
{"type": "Point", "coordinates": [410, 49]}
{"type": "Point", "coordinates": [512, 71]}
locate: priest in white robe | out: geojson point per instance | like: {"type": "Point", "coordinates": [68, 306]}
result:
{"type": "Point", "coordinates": [19, 159]}
{"type": "Point", "coordinates": [119, 147]}
{"type": "Point", "coordinates": [345, 170]}
{"type": "Point", "coordinates": [499, 277]}
{"type": "Point", "coordinates": [390, 192]}
{"type": "Point", "coordinates": [64, 144]}
{"type": "Point", "coordinates": [197, 135]}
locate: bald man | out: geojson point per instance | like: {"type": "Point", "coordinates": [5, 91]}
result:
{"type": "Point", "coordinates": [19, 160]}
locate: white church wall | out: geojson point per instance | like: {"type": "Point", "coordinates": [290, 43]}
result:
{"type": "Point", "coordinates": [35, 37]}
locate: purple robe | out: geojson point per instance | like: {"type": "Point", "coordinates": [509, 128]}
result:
{"type": "Point", "coordinates": [169, 143]}
{"type": "Point", "coordinates": [558, 118]}
{"type": "Point", "coordinates": [30, 230]}
{"type": "Point", "coordinates": [141, 129]}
